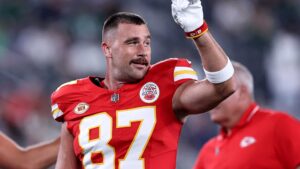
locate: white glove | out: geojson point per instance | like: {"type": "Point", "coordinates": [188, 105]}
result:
{"type": "Point", "coordinates": [188, 14]}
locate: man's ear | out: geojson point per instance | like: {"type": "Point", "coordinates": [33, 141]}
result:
{"type": "Point", "coordinates": [244, 92]}
{"type": "Point", "coordinates": [106, 49]}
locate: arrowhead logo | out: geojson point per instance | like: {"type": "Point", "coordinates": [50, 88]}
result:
{"type": "Point", "coordinates": [247, 141]}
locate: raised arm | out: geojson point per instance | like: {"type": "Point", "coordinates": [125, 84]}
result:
{"type": "Point", "coordinates": [201, 96]}
{"type": "Point", "coordinates": [37, 156]}
{"type": "Point", "coordinates": [66, 158]}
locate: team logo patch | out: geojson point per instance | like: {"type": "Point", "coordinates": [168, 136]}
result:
{"type": "Point", "coordinates": [247, 141]}
{"type": "Point", "coordinates": [81, 108]}
{"type": "Point", "coordinates": [149, 93]}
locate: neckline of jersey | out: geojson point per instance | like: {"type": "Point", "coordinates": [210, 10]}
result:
{"type": "Point", "coordinates": [246, 118]}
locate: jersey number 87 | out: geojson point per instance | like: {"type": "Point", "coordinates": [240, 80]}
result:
{"type": "Point", "coordinates": [104, 122]}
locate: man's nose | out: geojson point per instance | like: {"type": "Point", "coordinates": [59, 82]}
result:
{"type": "Point", "coordinates": [142, 50]}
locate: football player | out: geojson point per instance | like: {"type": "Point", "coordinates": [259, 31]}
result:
{"type": "Point", "coordinates": [131, 118]}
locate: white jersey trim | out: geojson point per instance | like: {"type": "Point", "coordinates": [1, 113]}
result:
{"type": "Point", "coordinates": [56, 112]}
{"type": "Point", "coordinates": [181, 72]}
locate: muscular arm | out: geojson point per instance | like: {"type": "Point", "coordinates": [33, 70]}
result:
{"type": "Point", "coordinates": [38, 156]}
{"type": "Point", "coordinates": [201, 96]}
{"type": "Point", "coordinates": [66, 157]}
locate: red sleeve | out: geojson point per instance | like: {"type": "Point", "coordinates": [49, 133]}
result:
{"type": "Point", "coordinates": [183, 71]}
{"type": "Point", "coordinates": [61, 99]}
{"type": "Point", "coordinates": [287, 137]}
{"type": "Point", "coordinates": [57, 107]}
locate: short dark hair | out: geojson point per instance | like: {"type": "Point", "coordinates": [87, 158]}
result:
{"type": "Point", "coordinates": [122, 17]}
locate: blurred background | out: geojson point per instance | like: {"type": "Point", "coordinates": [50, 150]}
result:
{"type": "Point", "coordinates": [44, 43]}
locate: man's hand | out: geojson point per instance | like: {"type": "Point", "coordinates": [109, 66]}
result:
{"type": "Point", "coordinates": [188, 14]}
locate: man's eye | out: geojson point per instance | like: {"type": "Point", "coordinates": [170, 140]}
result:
{"type": "Point", "coordinates": [133, 42]}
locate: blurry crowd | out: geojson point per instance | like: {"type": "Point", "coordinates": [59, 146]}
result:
{"type": "Point", "coordinates": [46, 43]}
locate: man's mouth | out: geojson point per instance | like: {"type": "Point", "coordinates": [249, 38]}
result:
{"type": "Point", "coordinates": [140, 61]}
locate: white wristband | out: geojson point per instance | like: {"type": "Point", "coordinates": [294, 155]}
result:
{"type": "Point", "coordinates": [221, 75]}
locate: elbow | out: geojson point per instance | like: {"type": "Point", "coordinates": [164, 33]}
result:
{"type": "Point", "coordinates": [230, 89]}
{"type": "Point", "coordinates": [227, 88]}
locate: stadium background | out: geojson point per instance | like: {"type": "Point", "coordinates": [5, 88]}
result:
{"type": "Point", "coordinates": [44, 43]}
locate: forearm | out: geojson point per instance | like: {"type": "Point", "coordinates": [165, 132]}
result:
{"type": "Point", "coordinates": [201, 96]}
{"type": "Point", "coordinates": [189, 15]}
{"type": "Point", "coordinates": [212, 55]}
{"type": "Point", "coordinates": [215, 59]}
{"type": "Point", "coordinates": [13, 156]}
{"type": "Point", "coordinates": [41, 155]}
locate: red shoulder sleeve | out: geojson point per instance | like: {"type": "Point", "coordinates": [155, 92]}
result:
{"type": "Point", "coordinates": [183, 71]}
{"type": "Point", "coordinates": [61, 98]}
{"type": "Point", "coordinates": [180, 69]}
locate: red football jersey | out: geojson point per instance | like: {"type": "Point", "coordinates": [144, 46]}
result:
{"type": "Point", "coordinates": [133, 127]}
{"type": "Point", "coordinates": [263, 139]}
